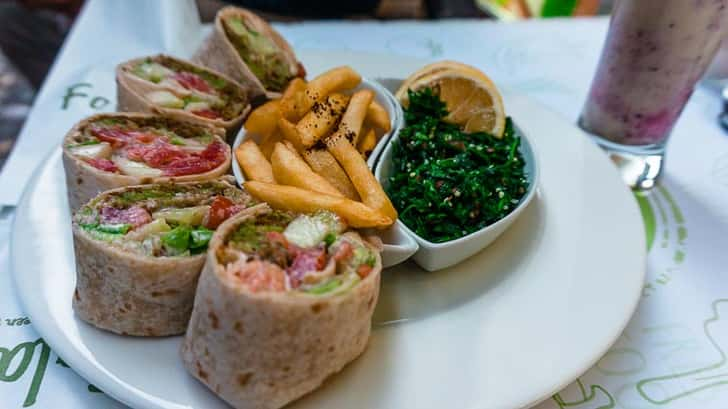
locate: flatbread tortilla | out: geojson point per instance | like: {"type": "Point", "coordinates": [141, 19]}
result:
{"type": "Point", "coordinates": [133, 294]}
{"type": "Point", "coordinates": [265, 349]}
{"type": "Point", "coordinates": [219, 53]}
{"type": "Point", "coordinates": [131, 89]}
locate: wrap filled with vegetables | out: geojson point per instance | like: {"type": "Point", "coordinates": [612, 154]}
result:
{"type": "Point", "coordinates": [284, 301]}
{"type": "Point", "coordinates": [107, 151]}
{"type": "Point", "coordinates": [247, 49]}
{"type": "Point", "coordinates": [140, 249]}
{"type": "Point", "coordinates": [179, 89]}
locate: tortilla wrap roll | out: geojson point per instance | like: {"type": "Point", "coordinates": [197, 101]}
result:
{"type": "Point", "coordinates": [140, 249]}
{"type": "Point", "coordinates": [284, 301]}
{"type": "Point", "coordinates": [182, 90]}
{"type": "Point", "coordinates": [107, 151]}
{"type": "Point", "coordinates": [247, 49]}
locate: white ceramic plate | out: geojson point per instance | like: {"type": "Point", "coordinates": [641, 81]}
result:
{"type": "Point", "coordinates": [504, 329]}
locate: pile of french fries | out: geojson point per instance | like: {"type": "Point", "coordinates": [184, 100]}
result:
{"type": "Point", "coordinates": [312, 150]}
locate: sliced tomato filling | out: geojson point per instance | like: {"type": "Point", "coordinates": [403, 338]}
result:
{"type": "Point", "coordinates": [114, 137]}
{"type": "Point", "coordinates": [103, 164]}
{"type": "Point", "coordinates": [207, 113]}
{"type": "Point", "coordinates": [157, 152]}
{"type": "Point", "coordinates": [192, 81]}
{"type": "Point", "coordinates": [221, 209]}
{"type": "Point", "coordinates": [364, 270]}
{"type": "Point", "coordinates": [118, 138]}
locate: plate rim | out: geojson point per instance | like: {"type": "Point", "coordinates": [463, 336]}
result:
{"type": "Point", "coordinates": [83, 367]}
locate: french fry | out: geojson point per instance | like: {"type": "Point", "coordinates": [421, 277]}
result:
{"type": "Point", "coordinates": [334, 80]}
{"type": "Point", "coordinates": [353, 118]}
{"type": "Point", "coordinates": [289, 169]}
{"type": "Point", "coordinates": [290, 133]}
{"type": "Point", "coordinates": [292, 105]}
{"type": "Point", "coordinates": [378, 117]}
{"type": "Point", "coordinates": [367, 142]}
{"type": "Point", "coordinates": [264, 119]}
{"type": "Point", "coordinates": [269, 142]}
{"type": "Point", "coordinates": [293, 150]}
{"type": "Point", "coordinates": [361, 177]}
{"type": "Point", "coordinates": [323, 163]}
{"type": "Point", "coordinates": [340, 146]}
{"type": "Point", "coordinates": [321, 119]}
{"type": "Point", "coordinates": [295, 199]}
{"type": "Point", "coordinates": [254, 164]}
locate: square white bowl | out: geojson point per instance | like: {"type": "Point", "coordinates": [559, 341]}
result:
{"type": "Point", "coordinates": [435, 256]}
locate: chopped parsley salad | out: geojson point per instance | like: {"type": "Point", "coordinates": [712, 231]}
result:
{"type": "Point", "coordinates": [446, 183]}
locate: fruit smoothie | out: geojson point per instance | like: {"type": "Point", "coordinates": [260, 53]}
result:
{"type": "Point", "coordinates": [655, 52]}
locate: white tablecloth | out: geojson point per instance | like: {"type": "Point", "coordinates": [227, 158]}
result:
{"type": "Point", "coordinates": [672, 355]}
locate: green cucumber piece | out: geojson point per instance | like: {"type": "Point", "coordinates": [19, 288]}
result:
{"type": "Point", "coordinates": [325, 287]}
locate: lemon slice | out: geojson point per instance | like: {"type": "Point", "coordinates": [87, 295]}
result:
{"type": "Point", "coordinates": [434, 68]}
{"type": "Point", "coordinates": [471, 98]}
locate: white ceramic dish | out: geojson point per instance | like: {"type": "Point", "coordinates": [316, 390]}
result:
{"type": "Point", "coordinates": [435, 256]}
{"type": "Point", "coordinates": [506, 328]}
{"type": "Point", "coordinates": [398, 244]}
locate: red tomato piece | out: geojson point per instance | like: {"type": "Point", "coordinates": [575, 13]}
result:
{"type": "Point", "coordinates": [144, 137]}
{"type": "Point", "coordinates": [260, 275]}
{"type": "Point", "coordinates": [194, 163]}
{"type": "Point", "coordinates": [189, 165]}
{"type": "Point", "coordinates": [162, 154]}
{"type": "Point", "coordinates": [192, 81]}
{"type": "Point", "coordinates": [103, 164]}
{"type": "Point", "coordinates": [207, 113]}
{"type": "Point", "coordinates": [215, 152]}
{"type": "Point", "coordinates": [116, 137]}
{"type": "Point", "coordinates": [220, 209]}
{"type": "Point", "coordinates": [157, 154]}
{"type": "Point", "coordinates": [364, 270]}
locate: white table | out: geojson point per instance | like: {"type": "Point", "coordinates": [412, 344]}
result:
{"type": "Point", "coordinates": [672, 353]}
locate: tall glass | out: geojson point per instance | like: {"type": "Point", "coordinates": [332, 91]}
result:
{"type": "Point", "coordinates": [654, 54]}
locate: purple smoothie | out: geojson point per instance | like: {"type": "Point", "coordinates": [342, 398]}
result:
{"type": "Point", "coordinates": [655, 52]}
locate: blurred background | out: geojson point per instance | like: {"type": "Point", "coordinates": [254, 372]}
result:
{"type": "Point", "coordinates": [32, 32]}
